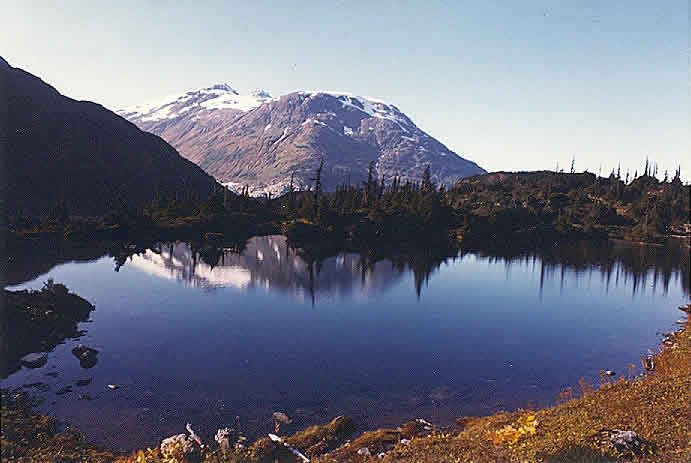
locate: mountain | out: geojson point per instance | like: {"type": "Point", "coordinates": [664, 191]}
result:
{"type": "Point", "coordinates": [258, 141]}
{"type": "Point", "coordinates": [77, 153]}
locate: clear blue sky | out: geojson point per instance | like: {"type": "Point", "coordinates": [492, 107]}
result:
{"type": "Point", "coordinates": [510, 84]}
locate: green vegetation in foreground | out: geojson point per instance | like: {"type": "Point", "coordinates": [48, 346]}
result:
{"type": "Point", "coordinates": [531, 207]}
{"type": "Point", "coordinates": [655, 406]}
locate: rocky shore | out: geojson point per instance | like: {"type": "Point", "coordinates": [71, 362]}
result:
{"type": "Point", "coordinates": [34, 322]}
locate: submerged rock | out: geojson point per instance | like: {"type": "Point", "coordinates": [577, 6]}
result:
{"type": "Point", "coordinates": [34, 360]}
{"type": "Point", "coordinates": [88, 356]}
{"type": "Point", "coordinates": [43, 387]}
{"type": "Point", "coordinates": [83, 382]}
{"type": "Point", "coordinates": [64, 390]}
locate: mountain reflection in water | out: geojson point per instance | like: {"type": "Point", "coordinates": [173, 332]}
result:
{"type": "Point", "coordinates": [269, 262]}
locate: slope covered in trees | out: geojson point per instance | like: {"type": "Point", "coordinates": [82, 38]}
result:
{"type": "Point", "coordinates": [549, 203]}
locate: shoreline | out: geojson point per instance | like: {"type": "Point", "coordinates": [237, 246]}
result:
{"type": "Point", "coordinates": [653, 405]}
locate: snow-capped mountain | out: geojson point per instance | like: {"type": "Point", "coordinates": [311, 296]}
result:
{"type": "Point", "coordinates": [219, 96]}
{"type": "Point", "coordinates": [258, 141]}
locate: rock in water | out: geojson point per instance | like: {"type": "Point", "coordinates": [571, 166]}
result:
{"type": "Point", "coordinates": [35, 360]}
{"type": "Point", "coordinates": [87, 355]}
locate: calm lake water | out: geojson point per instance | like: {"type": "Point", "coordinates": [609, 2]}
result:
{"type": "Point", "coordinates": [382, 341]}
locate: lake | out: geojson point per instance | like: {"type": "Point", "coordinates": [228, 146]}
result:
{"type": "Point", "coordinates": [225, 338]}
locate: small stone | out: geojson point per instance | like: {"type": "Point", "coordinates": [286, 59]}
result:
{"type": "Point", "coordinates": [610, 372]}
{"type": "Point", "coordinates": [113, 386]}
{"type": "Point", "coordinates": [649, 363]}
{"type": "Point", "coordinates": [364, 451]}
{"type": "Point", "coordinates": [405, 441]}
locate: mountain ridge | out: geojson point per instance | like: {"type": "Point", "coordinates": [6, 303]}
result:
{"type": "Point", "coordinates": [81, 156]}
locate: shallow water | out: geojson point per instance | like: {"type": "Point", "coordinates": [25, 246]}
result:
{"type": "Point", "coordinates": [267, 330]}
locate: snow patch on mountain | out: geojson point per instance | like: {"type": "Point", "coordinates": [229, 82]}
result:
{"type": "Point", "coordinates": [235, 101]}
{"type": "Point", "coordinates": [218, 96]}
{"type": "Point", "coordinates": [373, 107]}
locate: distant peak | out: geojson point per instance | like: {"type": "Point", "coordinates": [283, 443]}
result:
{"type": "Point", "coordinates": [223, 87]}
{"type": "Point", "coordinates": [259, 93]}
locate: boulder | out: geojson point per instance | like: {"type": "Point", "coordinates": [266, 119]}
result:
{"type": "Point", "coordinates": [626, 442]}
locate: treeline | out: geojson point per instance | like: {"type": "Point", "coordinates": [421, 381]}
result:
{"type": "Point", "coordinates": [375, 212]}
{"type": "Point", "coordinates": [182, 213]}
{"type": "Point", "coordinates": [554, 203]}
{"type": "Point", "coordinates": [536, 207]}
